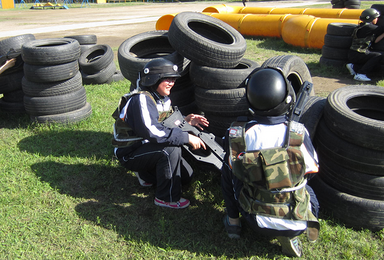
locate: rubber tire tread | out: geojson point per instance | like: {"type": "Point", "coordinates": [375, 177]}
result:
{"type": "Point", "coordinates": [40, 106]}
{"type": "Point", "coordinates": [66, 118]}
{"type": "Point", "coordinates": [52, 73]}
{"type": "Point", "coordinates": [332, 62]}
{"type": "Point", "coordinates": [11, 107]}
{"type": "Point", "coordinates": [351, 156]}
{"type": "Point", "coordinates": [229, 102]}
{"type": "Point", "coordinates": [85, 39]}
{"type": "Point", "coordinates": [96, 58]}
{"type": "Point", "coordinates": [353, 211]}
{"type": "Point", "coordinates": [341, 29]}
{"type": "Point", "coordinates": [140, 49]}
{"type": "Point", "coordinates": [350, 181]}
{"type": "Point", "coordinates": [218, 78]}
{"type": "Point", "coordinates": [100, 77]}
{"type": "Point", "coordinates": [15, 42]}
{"type": "Point", "coordinates": [50, 51]}
{"type": "Point", "coordinates": [55, 88]}
{"type": "Point", "coordinates": [337, 41]}
{"type": "Point", "coordinates": [334, 53]}
{"type": "Point", "coordinates": [11, 82]}
{"type": "Point", "coordinates": [206, 40]}
{"type": "Point", "coordinates": [348, 124]}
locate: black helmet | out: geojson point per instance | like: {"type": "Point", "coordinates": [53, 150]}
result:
{"type": "Point", "coordinates": [269, 93]}
{"type": "Point", "coordinates": [157, 69]}
{"type": "Point", "coordinates": [368, 15]}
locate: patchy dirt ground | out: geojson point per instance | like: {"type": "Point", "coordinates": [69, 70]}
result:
{"type": "Point", "coordinates": [113, 25]}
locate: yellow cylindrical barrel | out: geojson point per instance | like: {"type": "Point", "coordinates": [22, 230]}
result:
{"type": "Point", "coordinates": [308, 31]}
{"type": "Point", "coordinates": [254, 24]}
{"type": "Point", "coordinates": [318, 12]}
{"type": "Point", "coordinates": [164, 22]}
{"type": "Point", "coordinates": [223, 9]}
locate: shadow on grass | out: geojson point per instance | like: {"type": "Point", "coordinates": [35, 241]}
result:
{"type": "Point", "coordinates": [115, 200]}
{"type": "Point", "coordinates": [73, 143]}
{"type": "Point", "coordinates": [14, 120]}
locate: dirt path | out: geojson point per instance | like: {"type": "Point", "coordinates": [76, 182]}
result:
{"type": "Point", "coordinates": [113, 25]}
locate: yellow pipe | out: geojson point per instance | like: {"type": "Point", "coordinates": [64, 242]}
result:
{"type": "Point", "coordinates": [318, 12]}
{"type": "Point", "coordinates": [299, 30]}
{"type": "Point", "coordinates": [255, 24]}
{"type": "Point", "coordinates": [308, 31]}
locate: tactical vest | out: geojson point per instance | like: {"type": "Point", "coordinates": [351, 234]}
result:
{"type": "Point", "coordinates": [123, 135]}
{"type": "Point", "coordinates": [361, 44]}
{"type": "Point", "coordinates": [273, 179]}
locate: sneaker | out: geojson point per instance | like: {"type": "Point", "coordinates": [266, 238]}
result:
{"type": "Point", "coordinates": [142, 182]}
{"type": "Point", "coordinates": [361, 77]}
{"type": "Point", "coordinates": [350, 69]}
{"type": "Point", "coordinates": [234, 231]}
{"type": "Point", "coordinates": [290, 246]}
{"type": "Point", "coordinates": [181, 204]}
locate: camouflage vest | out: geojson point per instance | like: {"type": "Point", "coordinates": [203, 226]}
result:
{"type": "Point", "coordinates": [361, 44]}
{"type": "Point", "coordinates": [273, 179]}
{"type": "Point", "coordinates": [123, 135]}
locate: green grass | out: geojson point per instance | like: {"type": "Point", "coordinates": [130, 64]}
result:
{"type": "Point", "coordinates": [63, 195]}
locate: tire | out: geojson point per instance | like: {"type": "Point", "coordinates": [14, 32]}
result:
{"type": "Point", "coordinates": [353, 110]}
{"type": "Point", "coordinates": [351, 210]}
{"type": "Point", "coordinates": [11, 107]}
{"type": "Point", "coordinates": [334, 53]}
{"type": "Point", "coordinates": [352, 4]}
{"type": "Point", "coordinates": [66, 118]}
{"type": "Point", "coordinates": [100, 77]}
{"type": "Point", "coordinates": [14, 42]}
{"type": "Point", "coordinates": [337, 41]}
{"type": "Point", "coordinates": [217, 78]}
{"type": "Point", "coordinates": [86, 39]}
{"type": "Point", "coordinates": [206, 40]}
{"type": "Point", "coordinates": [96, 59]}
{"type": "Point", "coordinates": [341, 29]}
{"type": "Point", "coordinates": [138, 50]}
{"type": "Point", "coordinates": [15, 96]}
{"type": "Point", "coordinates": [184, 96]}
{"type": "Point", "coordinates": [55, 88]}
{"type": "Point", "coordinates": [218, 125]}
{"type": "Point", "coordinates": [117, 76]}
{"type": "Point", "coordinates": [293, 67]}
{"type": "Point", "coordinates": [52, 73]}
{"type": "Point", "coordinates": [50, 51]}
{"type": "Point", "coordinates": [11, 82]}
{"type": "Point", "coordinates": [332, 62]}
{"type": "Point", "coordinates": [225, 102]}
{"type": "Point", "coordinates": [312, 113]}
{"type": "Point", "coordinates": [351, 181]}
{"type": "Point", "coordinates": [349, 155]}
{"type": "Point", "coordinates": [40, 106]}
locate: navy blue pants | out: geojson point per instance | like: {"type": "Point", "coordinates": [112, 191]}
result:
{"type": "Point", "coordinates": [161, 165]}
{"type": "Point", "coordinates": [364, 63]}
{"type": "Point", "coordinates": [231, 187]}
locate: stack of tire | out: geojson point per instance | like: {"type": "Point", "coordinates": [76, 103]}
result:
{"type": "Point", "coordinates": [350, 145]}
{"type": "Point", "coordinates": [138, 50]}
{"type": "Point", "coordinates": [10, 80]}
{"type": "Point", "coordinates": [52, 83]}
{"type": "Point", "coordinates": [349, 4]}
{"type": "Point", "coordinates": [337, 42]}
{"type": "Point", "coordinates": [86, 41]}
{"type": "Point", "coordinates": [97, 65]}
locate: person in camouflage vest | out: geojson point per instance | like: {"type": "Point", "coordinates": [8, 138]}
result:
{"type": "Point", "coordinates": [361, 59]}
{"type": "Point", "coordinates": [267, 164]}
{"type": "Point", "coordinates": [147, 147]}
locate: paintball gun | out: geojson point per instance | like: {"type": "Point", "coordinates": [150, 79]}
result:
{"type": "Point", "coordinates": [213, 155]}
{"type": "Point", "coordinates": [302, 98]}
